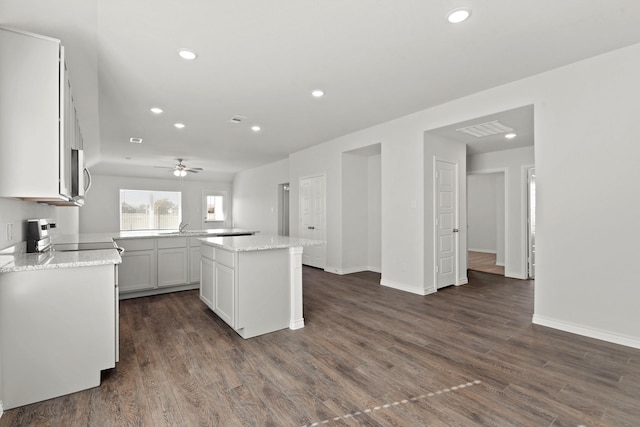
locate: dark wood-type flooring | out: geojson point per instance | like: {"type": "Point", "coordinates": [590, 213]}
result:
{"type": "Point", "coordinates": [369, 355]}
{"type": "Point", "coordinates": [481, 261]}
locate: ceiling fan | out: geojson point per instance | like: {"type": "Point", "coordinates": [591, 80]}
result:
{"type": "Point", "coordinates": [181, 170]}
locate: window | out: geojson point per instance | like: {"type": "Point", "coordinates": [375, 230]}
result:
{"type": "Point", "coordinates": [215, 207]}
{"type": "Point", "coordinates": [150, 210]}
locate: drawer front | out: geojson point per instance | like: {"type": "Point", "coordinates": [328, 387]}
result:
{"type": "Point", "coordinates": [137, 244]}
{"type": "Point", "coordinates": [208, 252]}
{"type": "Point", "coordinates": [172, 242]}
{"type": "Point", "coordinates": [225, 258]}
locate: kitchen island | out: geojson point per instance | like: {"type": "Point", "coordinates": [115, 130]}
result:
{"type": "Point", "coordinates": [254, 283]}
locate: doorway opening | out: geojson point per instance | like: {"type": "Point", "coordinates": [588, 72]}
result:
{"type": "Point", "coordinates": [486, 222]}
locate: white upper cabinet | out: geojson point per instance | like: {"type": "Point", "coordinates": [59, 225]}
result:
{"type": "Point", "coordinates": [38, 123]}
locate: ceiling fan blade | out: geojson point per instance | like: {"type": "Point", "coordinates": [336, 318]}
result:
{"type": "Point", "coordinates": [195, 170]}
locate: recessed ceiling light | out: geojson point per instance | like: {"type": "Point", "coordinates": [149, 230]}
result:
{"type": "Point", "coordinates": [187, 54]}
{"type": "Point", "coordinates": [255, 128]}
{"type": "Point", "coordinates": [156, 110]}
{"type": "Point", "coordinates": [510, 135]}
{"type": "Point", "coordinates": [458, 15]}
{"type": "Point", "coordinates": [136, 140]}
{"type": "Point", "coordinates": [317, 93]}
{"type": "Point", "coordinates": [179, 125]}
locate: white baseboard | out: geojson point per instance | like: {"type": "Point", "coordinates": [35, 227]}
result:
{"type": "Point", "coordinates": [484, 251]}
{"type": "Point", "coordinates": [513, 275]}
{"type": "Point", "coordinates": [406, 288]}
{"type": "Point", "coordinates": [1, 409]}
{"type": "Point", "coordinates": [500, 264]}
{"type": "Point", "coordinates": [462, 281]}
{"type": "Point", "coordinates": [343, 271]}
{"type": "Point", "coordinates": [587, 331]}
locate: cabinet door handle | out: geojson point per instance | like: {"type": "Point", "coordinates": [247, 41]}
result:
{"type": "Point", "coordinates": [311, 227]}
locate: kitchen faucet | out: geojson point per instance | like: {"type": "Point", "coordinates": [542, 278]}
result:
{"type": "Point", "coordinates": [182, 226]}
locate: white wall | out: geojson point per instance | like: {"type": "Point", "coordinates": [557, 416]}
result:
{"type": "Point", "coordinates": [255, 197]}
{"type": "Point", "coordinates": [514, 164]}
{"type": "Point", "coordinates": [101, 212]}
{"type": "Point", "coordinates": [585, 156]}
{"type": "Point", "coordinates": [482, 213]}
{"type": "Point", "coordinates": [355, 222]}
{"type": "Point", "coordinates": [361, 212]}
{"type": "Point", "coordinates": [17, 212]}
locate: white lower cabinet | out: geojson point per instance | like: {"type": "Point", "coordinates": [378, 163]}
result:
{"type": "Point", "coordinates": [207, 279]}
{"type": "Point", "coordinates": [250, 291]}
{"type": "Point", "coordinates": [58, 330]}
{"type": "Point", "coordinates": [138, 269]}
{"type": "Point", "coordinates": [194, 260]}
{"type": "Point", "coordinates": [225, 294]}
{"type": "Point", "coordinates": [157, 265]}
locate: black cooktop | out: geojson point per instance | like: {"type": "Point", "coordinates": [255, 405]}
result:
{"type": "Point", "coordinates": [85, 246]}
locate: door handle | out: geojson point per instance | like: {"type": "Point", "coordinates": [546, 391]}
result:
{"type": "Point", "coordinates": [311, 228]}
{"type": "Point", "coordinates": [455, 230]}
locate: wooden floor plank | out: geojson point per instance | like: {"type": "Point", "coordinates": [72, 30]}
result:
{"type": "Point", "coordinates": [368, 356]}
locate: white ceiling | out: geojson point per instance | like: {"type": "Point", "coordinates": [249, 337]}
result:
{"type": "Point", "coordinates": [376, 60]}
{"type": "Point", "coordinates": [519, 119]}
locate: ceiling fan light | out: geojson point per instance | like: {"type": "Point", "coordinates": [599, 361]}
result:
{"type": "Point", "coordinates": [176, 172]}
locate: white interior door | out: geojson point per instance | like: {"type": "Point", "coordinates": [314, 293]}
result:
{"type": "Point", "coordinates": [312, 219]}
{"type": "Point", "coordinates": [446, 203]}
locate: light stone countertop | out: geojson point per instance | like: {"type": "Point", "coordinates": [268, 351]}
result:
{"type": "Point", "coordinates": [258, 242]}
{"type": "Point", "coordinates": [144, 234]}
{"type": "Point", "coordinates": [17, 259]}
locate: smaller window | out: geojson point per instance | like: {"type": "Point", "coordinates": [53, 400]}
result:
{"type": "Point", "coordinates": [215, 207]}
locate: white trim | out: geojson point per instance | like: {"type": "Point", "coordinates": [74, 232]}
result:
{"type": "Point", "coordinates": [462, 281]}
{"type": "Point", "coordinates": [296, 319]}
{"type": "Point", "coordinates": [1, 409]}
{"type": "Point", "coordinates": [513, 275]}
{"type": "Point", "coordinates": [349, 270]}
{"type": "Point", "coordinates": [524, 219]}
{"type": "Point", "coordinates": [484, 251]}
{"type": "Point", "coordinates": [587, 331]}
{"type": "Point", "coordinates": [406, 288]}
{"type": "Point", "coordinates": [499, 264]}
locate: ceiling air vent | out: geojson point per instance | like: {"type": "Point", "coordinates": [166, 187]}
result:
{"type": "Point", "coordinates": [485, 129]}
{"type": "Point", "coordinates": [237, 119]}
{"type": "Point", "coordinates": [136, 140]}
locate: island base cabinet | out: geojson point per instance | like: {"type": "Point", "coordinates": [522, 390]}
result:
{"type": "Point", "coordinates": [57, 331]}
{"type": "Point", "coordinates": [225, 294]}
{"type": "Point", "coordinates": [249, 290]}
{"type": "Point", "coordinates": [263, 292]}
{"type": "Point", "coordinates": [207, 284]}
